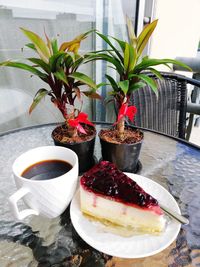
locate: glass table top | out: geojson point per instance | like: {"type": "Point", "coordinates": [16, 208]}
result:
{"type": "Point", "coordinates": [39, 241]}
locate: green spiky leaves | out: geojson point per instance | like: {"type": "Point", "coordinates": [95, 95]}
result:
{"type": "Point", "coordinates": [128, 60]}
{"type": "Point", "coordinates": [58, 67]}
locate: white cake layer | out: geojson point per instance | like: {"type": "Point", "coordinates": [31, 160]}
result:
{"type": "Point", "coordinates": [119, 213]}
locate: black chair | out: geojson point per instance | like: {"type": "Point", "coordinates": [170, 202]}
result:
{"type": "Point", "coordinates": [167, 114]}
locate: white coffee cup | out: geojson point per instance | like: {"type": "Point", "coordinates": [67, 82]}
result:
{"type": "Point", "coordinates": [49, 197]}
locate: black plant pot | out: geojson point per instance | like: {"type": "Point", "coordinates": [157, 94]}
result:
{"type": "Point", "coordinates": [124, 156]}
{"type": "Point", "coordinates": [84, 151]}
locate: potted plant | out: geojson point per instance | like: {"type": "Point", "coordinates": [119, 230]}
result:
{"type": "Point", "coordinates": [58, 67]}
{"type": "Point", "coordinates": [122, 144]}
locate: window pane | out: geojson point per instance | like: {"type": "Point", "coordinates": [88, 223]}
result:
{"type": "Point", "coordinates": [58, 18]}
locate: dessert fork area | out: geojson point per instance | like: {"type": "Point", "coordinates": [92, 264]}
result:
{"type": "Point", "coordinates": [41, 242]}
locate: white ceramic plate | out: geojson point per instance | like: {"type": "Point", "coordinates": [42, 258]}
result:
{"type": "Point", "coordinates": [137, 246]}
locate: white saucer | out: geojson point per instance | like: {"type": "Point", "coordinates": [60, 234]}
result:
{"type": "Point", "coordinates": [136, 246]}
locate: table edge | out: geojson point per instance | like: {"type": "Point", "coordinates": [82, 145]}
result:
{"type": "Point", "coordinates": [98, 123]}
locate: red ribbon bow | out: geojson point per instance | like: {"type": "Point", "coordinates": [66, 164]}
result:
{"type": "Point", "coordinates": [126, 111]}
{"type": "Point", "coordinates": [81, 118]}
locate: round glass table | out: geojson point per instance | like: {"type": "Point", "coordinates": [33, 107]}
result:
{"type": "Point", "coordinates": [42, 242]}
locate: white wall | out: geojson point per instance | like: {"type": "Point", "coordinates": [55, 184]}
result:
{"type": "Point", "coordinates": [178, 29]}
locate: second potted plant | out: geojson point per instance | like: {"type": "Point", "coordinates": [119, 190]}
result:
{"type": "Point", "coordinates": [58, 66]}
{"type": "Point", "coordinates": [120, 144]}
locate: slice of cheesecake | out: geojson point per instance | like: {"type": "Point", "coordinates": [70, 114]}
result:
{"type": "Point", "coordinates": [109, 195]}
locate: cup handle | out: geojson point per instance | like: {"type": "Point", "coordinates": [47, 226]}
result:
{"type": "Point", "coordinates": [20, 215]}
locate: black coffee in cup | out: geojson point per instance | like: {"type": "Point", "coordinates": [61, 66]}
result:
{"type": "Point", "coordinates": [47, 169]}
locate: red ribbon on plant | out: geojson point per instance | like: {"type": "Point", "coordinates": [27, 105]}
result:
{"type": "Point", "coordinates": [81, 118]}
{"type": "Point", "coordinates": [125, 110]}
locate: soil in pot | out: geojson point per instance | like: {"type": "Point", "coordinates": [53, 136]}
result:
{"type": "Point", "coordinates": [123, 153]}
{"type": "Point", "coordinates": [131, 136]}
{"type": "Point", "coordinates": [61, 134]}
{"type": "Point", "coordinates": [82, 145]}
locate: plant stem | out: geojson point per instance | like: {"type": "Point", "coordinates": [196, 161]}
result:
{"type": "Point", "coordinates": [120, 128]}
{"type": "Point", "coordinates": [72, 131]}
